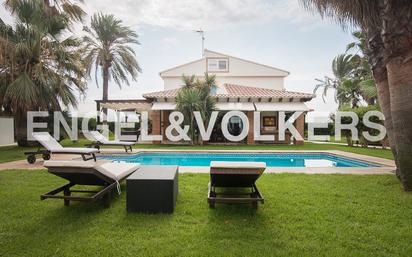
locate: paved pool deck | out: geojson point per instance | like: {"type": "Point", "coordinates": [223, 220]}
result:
{"type": "Point", "coordinates": [387, 166]}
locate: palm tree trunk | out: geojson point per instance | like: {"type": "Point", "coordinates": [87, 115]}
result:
{"type": "Point", "coordinates": [375, 50]}
{"type": "Point", "coordinates": [397, 40]}
{"type": "Point", "coordinates": [400, 89]}
{"type": "Point", "coordinates": [21, 129]}
{"type": "Point", "coordinates": [354, 102]}
{"type": "Point", "coordinates": [382, 85]}
{"type": "Point", "coordinates": [105, 89]}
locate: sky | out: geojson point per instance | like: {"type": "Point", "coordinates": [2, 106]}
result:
{"type": "Point", "coordinates": [279, 33]}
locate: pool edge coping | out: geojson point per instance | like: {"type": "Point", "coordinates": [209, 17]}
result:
{"type": "Point", "coordinates": [387, 166]}
{"type": "Point", "coordinates": [382, 162]}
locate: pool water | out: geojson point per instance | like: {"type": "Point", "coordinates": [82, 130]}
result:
{"type": "Point", "coordinates": [271, 159]}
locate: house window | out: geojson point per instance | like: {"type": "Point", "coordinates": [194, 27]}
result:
{"type": "Point", "coordinates": [235, 126]}
{"type": "Point", "coordinates": [217, 65]}
{"type": "Point", "coordinates": [269, 121]}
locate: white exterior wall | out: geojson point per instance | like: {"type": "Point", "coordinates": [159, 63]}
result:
{"type": "Point", "coordinates": [7, 131]}
{"type": "Point", "coordinates": [172, 83]}
{"type": "Point", "coordinates": [263, 82]}
{"type": "Point", "coordinates": [241, 72]}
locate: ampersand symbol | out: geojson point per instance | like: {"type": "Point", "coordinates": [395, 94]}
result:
{"type": "Point", "coordinates": [175, 125]}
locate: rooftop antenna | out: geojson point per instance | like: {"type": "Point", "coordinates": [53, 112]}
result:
{"type": "Point", "coordinates": [202, 34]}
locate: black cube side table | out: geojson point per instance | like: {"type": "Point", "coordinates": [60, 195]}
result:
{"type": "Point", "coordinates": [152, 189]}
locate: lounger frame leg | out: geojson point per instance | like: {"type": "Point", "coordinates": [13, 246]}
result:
{"type": "Point", "coordinates": [210, 196]}
{"type": "Point", "coordinates": [103, 194]}
{"type": "Point", "coordinates": [66, 192]}
{"type": "Point", "coordinates": [92, 157]}
{"type": "Point", "coordinates": [254, 197]}
{"type": "Point", "coordinates": [31, 156]}
{"type": "Point", "coordinates": [128, 148]}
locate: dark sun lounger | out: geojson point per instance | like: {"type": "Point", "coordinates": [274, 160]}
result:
{"type": "Point", "coordinates": [106, 174]}
{"type": "Point", "coordinates": [240, 177]}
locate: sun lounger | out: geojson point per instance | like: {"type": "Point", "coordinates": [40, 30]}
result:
{"type": "Point", "coordinates": [100, 140]}
{"type": "Point", "coordinates": [240, 177]}
{"type": "Point", "coordinates": [101, 173]}
{"type": "Point", "coordinates": [53, 147]}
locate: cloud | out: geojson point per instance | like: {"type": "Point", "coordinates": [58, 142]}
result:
{"type": "Point", "coordinates": [170, 40]}
{"type": "Point", "coordinates": [206, 14]}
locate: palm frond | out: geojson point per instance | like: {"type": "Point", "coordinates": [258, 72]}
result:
{"type": "Point", "coordinates": [42, 70]}
{"type": "Point", "coordinates": [22, 93]}
{"type": "Point", "coordinates": [109, 43]}
{"type": "Point", "coordinates": [347, 13]}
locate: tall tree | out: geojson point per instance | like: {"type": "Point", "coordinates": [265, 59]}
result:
{"type": "Point", "coordinates": [196, 95]}
{"type": "Point", "coordinates": [386, 25]}
{"type": "Point", "coordinates": [207, 88]}
{"type": "Point", "coordinates": [187, 101]}
{"type": "Point", "coordinates": [108, 46]}
{"type": "Point", "coordinates": [349, 93]}
{"type": "Point", "coordinates": [342, 68]}
{"type": "Point", "coordinates": [362, 70]}
{"type": "Point", "coordinates": [40, 66]}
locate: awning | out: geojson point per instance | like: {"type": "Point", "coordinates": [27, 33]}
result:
{"type": "Point", "coordinates": [121, 106]}
{"type": "Point", "coordinates": [229, 106]}
{"type": "Point", "coordinates": [161, 106]}
{"type": "Point", "coordinates": [282, 106]}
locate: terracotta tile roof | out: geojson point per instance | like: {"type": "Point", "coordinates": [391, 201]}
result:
{"type": "Point", "coordinates": [135, 104]}
{"type": "Point", "coordinates": [162, 94]}
{"type": "Point", "coordinates": [237, 91]}
{"type": "Point", "coordinates": [245, 91]}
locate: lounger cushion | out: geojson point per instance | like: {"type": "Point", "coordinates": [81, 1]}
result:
{"type": "Point", "coordinates": [76, 150]}
{"type": "Point", "coordinates": [98, 136]}
{"type": "Point", "coordinates": [47, 141]}
{"type": "Point", "coordinates": [120, 143]}
{"type": "Point", "coordinates": [74, 164]}
{"type": "Point", "coordinates": [102, 139]}
{"type": "Point", "coordinates": [238, 165]}
{"type": "Point", "coordinates": [117, 171]}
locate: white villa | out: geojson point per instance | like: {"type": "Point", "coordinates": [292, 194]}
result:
{"type": "Point", "coordinates": [243, 85]}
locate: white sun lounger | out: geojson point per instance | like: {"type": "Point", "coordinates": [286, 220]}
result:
{"type": "Point", "coordinates": [99, 140]}
{"type": "Point", "coordinates": [100, 173]}
{"type": "Point", "coordinates": [53, 147]}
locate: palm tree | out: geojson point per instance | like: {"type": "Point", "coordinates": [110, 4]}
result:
{"type": "Point", "coordinates": [363, 70]}
{"type": "Point", "coordinates": [195, 95]}
{"type": "Point", "coordinates": [108, 47]}
{"type": "Point", "coordinates": [352, 79]}
{"type": "Point", "coordinates": [342, 67]}
{"type": "Point", "coordinates": [206, 87]}
{"type": "Point", "coordinates": [39, 70]}
{"type": "Point", "coordinates": [187, 101]}
{"type": "Point", "coordinates": [359, 45]}
{"type": "Point", "coordinates": [386, 26]}
{"type": "Point", "coordinates": [349, 93]}
{"type": "Point", "coordinates": [368, 91]}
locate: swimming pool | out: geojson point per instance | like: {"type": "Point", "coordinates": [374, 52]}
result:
{"type": "Point", "coordinates": [271, 159]}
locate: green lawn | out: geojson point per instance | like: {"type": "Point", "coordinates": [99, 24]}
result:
{"type": "Point", "coordinates": [12, 153]}
{"type": "Point", "coordinates": [304, 215]}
